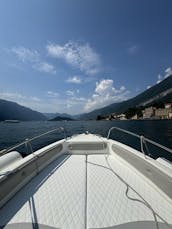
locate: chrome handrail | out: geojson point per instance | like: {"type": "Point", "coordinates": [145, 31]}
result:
{"type": "Point", "coordinates": [143, 139]}
{"type": "Point", "coordinates": [123, 130]}
{"type": "Point", "coordinates": [27, 141]}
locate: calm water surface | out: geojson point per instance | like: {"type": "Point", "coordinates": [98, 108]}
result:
{"type": "Point", "coordinates": [157, 130]}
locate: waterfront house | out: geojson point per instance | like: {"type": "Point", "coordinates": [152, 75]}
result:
{"type": "Point", "coordinates": [163, 113]}
{"type": "Point", "coordinates": [149, 112]}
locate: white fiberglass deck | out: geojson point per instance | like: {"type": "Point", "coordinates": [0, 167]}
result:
{"type": "Point", "coordinates": [79, 191]}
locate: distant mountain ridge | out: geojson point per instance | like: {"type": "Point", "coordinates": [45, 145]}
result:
{"type": "Point", "coordinates": [53, 115]}
{"type": "Point", "coordinates": [59, 118]}
{"type": "Point", "coordinates": [159, 92]}
{"type": "Point", "coordinates": [11, 110]}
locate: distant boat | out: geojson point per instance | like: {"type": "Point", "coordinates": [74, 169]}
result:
{"type": "Point", "coordinates": [12, 121]}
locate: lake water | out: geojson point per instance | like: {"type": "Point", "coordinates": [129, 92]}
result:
{"type": "Point", "coordinates": [157, 130]}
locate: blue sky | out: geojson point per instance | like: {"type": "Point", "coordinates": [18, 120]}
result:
{"type": "Point", "coordinates": [75, 56]}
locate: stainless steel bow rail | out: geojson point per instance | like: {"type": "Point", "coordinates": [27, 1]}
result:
{"type": "Point", "coordinates": [143, 139]}
{"type": "Point", "coordinates": [28, 141]}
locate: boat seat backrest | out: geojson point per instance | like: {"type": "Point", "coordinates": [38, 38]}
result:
{"type": "Point", "coordinates": [13, 180]}
{"type": "Point", "coordinates": [9, 159]}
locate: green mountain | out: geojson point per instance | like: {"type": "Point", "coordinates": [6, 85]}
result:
{"type": "Point", "coordinates": [14, 111]}
{"type": "Point", "coordinates": [161, 92]}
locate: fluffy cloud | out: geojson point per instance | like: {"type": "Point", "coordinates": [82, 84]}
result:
{"type": "Point", "coordinates": [104, 86]}
{"type": "Point", "coordinates": [105, 94]}
{"type": "Point", "coordinates": [75, 79]}
{"type": "Point", "coordinates": [80, 56]}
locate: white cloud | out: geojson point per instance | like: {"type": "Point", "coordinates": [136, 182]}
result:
{"type": "Point", "coordinates": [25, 54]}
{"type": "Point", "coordinates": [168, 72]}
{"type": "Point", "coordinates": [104, 86]}
{"type": "Point", "coordinates": [75, 103]}
{"type": "Point", "coordinates": [32, 57]}
{"type": "Point", "coordinates": [70, 92]}
{"type": "Point", "coordinates": [45, 67]}
{"type": "Point", "coordinates": [159, 79]}
{"type": "Point", "coordinates": [148, 87]}
{"type": "Point", "coordinates": [80, 56]}
{"type": "Point", "coordinates": [34, 98]}
{"type": "Point", "coordinates": [75, 79]}
{"type": "Point", "coordinates": [105, 94]}
{"type": "Point", "coordinates": [133, 49]}
{"type": "Point", "coordinates": [52, 94]}
{"type": "Point", "coordinates": [81, 99]}
{"type": "Point", "coordinates": [19, 98]}
{"type": "Point", "coordinates": [122, 88]}
{"type": "Point", "coordinates": [13, 96]}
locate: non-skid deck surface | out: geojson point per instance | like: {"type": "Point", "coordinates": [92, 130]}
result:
{"type": "Point", "coordinates": [162, 180]}
{"type": "Point", "coordinates": [80, 191]}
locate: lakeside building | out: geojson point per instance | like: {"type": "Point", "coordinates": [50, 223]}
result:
{"type": "Point", "coordinates": [160, 113]}
{"type": "Point", "coordinates": [168, 105]}
{"type": "Point", "coordinates": [148, 112]}
{"type": "Point", "coordinates": [135, 117]}
{"type": "Point", "coordinates": [122, 117]}
{"type": "Point", "coordinates": [163, 113]}
{"type": "Point", "coordinates": [112, 116]}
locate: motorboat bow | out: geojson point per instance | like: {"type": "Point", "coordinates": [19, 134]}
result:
{"type": "Point", "coordinates": [85, 181]}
